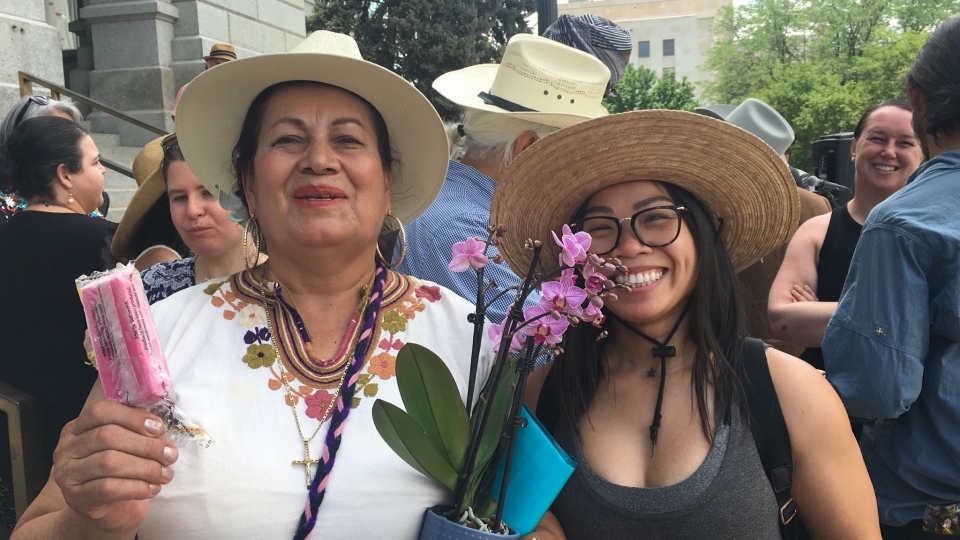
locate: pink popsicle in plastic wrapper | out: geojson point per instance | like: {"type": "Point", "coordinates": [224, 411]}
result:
{"type": "Point", "coordinates": [133, 369]}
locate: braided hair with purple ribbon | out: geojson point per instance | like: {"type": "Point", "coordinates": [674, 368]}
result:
{"type": "Point", "coordinates": [338, 420]}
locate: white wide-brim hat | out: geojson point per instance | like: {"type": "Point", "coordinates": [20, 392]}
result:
{"type": "Point", "coordinates": [538, 80]}
{"type": "Point", "coordinates": [213, 107]}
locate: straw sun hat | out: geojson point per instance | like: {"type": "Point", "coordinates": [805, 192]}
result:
{"type": "Point", "coordinates": [538, 80]}
{"type": "Point", "coordinates": [148, 173]}
{"type": "Point", "coordinates": [736, 176]}
{"type": "Point", "coordinates": [213, 106]}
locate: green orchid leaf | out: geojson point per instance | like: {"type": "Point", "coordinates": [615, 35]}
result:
{"type": "Point", "coordinates": [502, 399]}
{"type": "Point", "coordinates": [430, 395]}
{"type": "Point", "coordinates": [405, 437]}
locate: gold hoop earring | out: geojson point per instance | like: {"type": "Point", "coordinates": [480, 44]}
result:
{"type": "Point", "coordinates": [246, 236]}
{"type": "Point", "coordinates": [403, 244]}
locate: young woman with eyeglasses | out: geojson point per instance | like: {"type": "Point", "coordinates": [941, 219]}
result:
{"type": "Point", "coordinates": [652, 404]}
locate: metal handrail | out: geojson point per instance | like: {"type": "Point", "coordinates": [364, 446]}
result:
{"type": "Point", "coordinates": [26, 89]}
{"type": "Point", "coordinates": [116, 167]}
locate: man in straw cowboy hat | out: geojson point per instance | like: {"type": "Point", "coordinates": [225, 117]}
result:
{"type": "Point", "coordinates": [538, 87]}
{"type": "Point", "coordinates": [658, 379]}
{"type": "Point", "coordinates": [220, 53]}
{"type": "Point", "coordinates": [765, 122]}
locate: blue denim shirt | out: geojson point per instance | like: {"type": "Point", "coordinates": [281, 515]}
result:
{"type": "Point", "coordinates": [892, 348]}
{"type": "Point", "coordinates": [461, 211]}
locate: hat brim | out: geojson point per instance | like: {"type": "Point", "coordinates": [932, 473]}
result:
{"type": "Point", "coordinates": [211, 111]}
{"type": "Point", "coordinates": [219, 56]}
{"type": "Point", "coordinates": [149, 191]}
{"type": "Point", "coordinates": [737, 177]}
{"type": "Point", "coordinates": [463, 87]}
{"type": "Point", "coordinates": [720, 112]}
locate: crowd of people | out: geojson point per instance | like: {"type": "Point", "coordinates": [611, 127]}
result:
{"type": "Point", "coordinates": [281, 294]}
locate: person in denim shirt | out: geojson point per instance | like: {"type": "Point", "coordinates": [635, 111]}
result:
{"type": "Point", "coordinates": [892, 349]}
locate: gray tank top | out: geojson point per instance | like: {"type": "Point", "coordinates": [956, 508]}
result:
{"type": "Point", "coordinates": [728, 497]}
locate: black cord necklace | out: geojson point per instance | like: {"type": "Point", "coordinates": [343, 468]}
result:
{"type": "Point", "coordinates": [662, 351]}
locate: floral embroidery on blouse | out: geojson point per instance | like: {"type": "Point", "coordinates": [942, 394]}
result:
{"type": "Point", "coordinates": [401, 303]}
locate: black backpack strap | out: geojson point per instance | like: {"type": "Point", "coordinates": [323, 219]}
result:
{"type": "Point", "coordinates": [769, 432]}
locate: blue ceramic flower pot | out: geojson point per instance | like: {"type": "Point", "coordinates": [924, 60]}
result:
{"type": "Point", "coordinates": [437, 527]}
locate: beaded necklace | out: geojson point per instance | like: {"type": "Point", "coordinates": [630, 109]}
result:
{"type": "Point", "coordinates": [340, 406]}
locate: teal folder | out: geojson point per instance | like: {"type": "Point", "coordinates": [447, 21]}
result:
{"type": "Point", "coordinates": [539, 471]}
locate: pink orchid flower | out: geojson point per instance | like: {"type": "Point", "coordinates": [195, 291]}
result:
{"type": "Point", "coordinates": [593, 315]}
{"type": "Point", "coordinates": [573, 246]}
{"type": "Point", "coordinates": [563, 296]}
{"type": "Point", "coordinates": [546, 330]}
{"type": "Point", "coordinates": [593, 279]}
{"type": "Point", "coordinates": [468, 254]}
{"type": "Point", "coordinates": [495, 333]}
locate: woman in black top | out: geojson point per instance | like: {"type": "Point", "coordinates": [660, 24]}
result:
{"type": "Point", "coordinates": [54, 164]}
{"type": "Point", "coordinates": [650, 403]}
{"type": "Point", "coordinates": [804, 295]}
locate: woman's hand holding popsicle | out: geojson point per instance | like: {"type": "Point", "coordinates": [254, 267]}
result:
{"type": "Point", "coordinates": [110, 462]}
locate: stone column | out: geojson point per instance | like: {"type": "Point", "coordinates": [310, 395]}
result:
{"type": "Point", "coordinates": [78, 79]}
{"type": "Point", "coordinates": [29, 44]}
{"type": "Point", "coordinates": [131, 58]}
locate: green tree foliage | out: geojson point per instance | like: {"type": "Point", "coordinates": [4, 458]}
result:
{"type": "Point", "coordinates": [640, 88]}
{"type": "Point", "coordinates": [819, 63]}
{"type": "Point", "coordinates": [422, 39]}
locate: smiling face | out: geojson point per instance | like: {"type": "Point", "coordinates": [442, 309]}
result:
{"type": "Point", "coordinates": [317, 179]}
{"type": "Point", "coordinates": [203, 224]}
{"type": "Point", "coordinates": [887, 151]}
{"type": "Point", "coordinates": [662, 277]}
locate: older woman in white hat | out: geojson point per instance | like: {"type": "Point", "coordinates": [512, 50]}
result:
{"type": "Point", "coordinates": [317, 150]}
{"type": "Point", "coordinates": [671, 412]}
{"type": "Point", "coordinates": [539, 87]}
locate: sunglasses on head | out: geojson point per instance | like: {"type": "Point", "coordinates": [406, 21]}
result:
{"type": "Point", "coordinates": [39, 100]}
{"type": "Point", "coordinates": [169, 143]}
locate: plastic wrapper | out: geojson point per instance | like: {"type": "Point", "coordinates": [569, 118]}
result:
{"type": "Point", "coordinates": [942, 519]}
{"type": "Point", "coordinates": [133, 369]}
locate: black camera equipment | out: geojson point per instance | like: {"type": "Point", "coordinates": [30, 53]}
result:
{"type": "Point", "coordinates": [833, 166]}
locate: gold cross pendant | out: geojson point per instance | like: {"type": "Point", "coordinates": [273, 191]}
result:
{"type": "Point", "coordinates": [306, 461]}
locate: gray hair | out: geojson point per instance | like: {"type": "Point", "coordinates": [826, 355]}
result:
{"type": "Point", "coordinates": [29, 109]}
{"type": "Point", "coordinates": [485, 134]}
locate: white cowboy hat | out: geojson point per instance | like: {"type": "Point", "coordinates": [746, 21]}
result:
{"type": "Point", "coordinates": [758, 118]}
{"type": "Point", "coordinates": [213, 106]}
{"type": "Point", "coordinates": [538, 80]}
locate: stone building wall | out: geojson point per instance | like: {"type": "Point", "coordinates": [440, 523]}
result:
{"type": "Point", "coordinates": [687, 22]}
{"type": "Point", "coordinates": [29, 43]}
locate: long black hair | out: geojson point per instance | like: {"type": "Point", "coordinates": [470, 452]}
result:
{"type": "Point", "coordinates": [716, 324]}
{"type": "Point", "coordinates": [35, 150]}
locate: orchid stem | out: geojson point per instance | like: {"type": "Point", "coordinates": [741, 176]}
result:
{"type": "Point", "coordinates": [514, 316]}
{"type": "Point", "coordinates": [513, 423]}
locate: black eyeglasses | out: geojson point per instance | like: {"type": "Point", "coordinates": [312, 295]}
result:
{"type": "Point", "coordinates": [168, 143]}
{"type": "Point", "coordinates": [39, 100]}
{"type": "Point", "coordinates": [654, 227]}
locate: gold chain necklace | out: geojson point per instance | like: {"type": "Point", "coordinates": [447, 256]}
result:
{"type": "Point", "coordinates": [307, 462]}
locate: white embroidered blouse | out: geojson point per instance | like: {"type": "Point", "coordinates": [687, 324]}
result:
{"type": "Point", "coordinates": [226, 375]}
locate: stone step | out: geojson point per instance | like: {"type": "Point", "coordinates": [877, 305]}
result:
{"type": "Point", "coordinates": [105, 140]}
{"type": "Point", "coordinates": [121, 155]}
{"type": "Point", "coordinates": [114, 181]}
{"type": "Point", "coordinates": [116, 214]}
